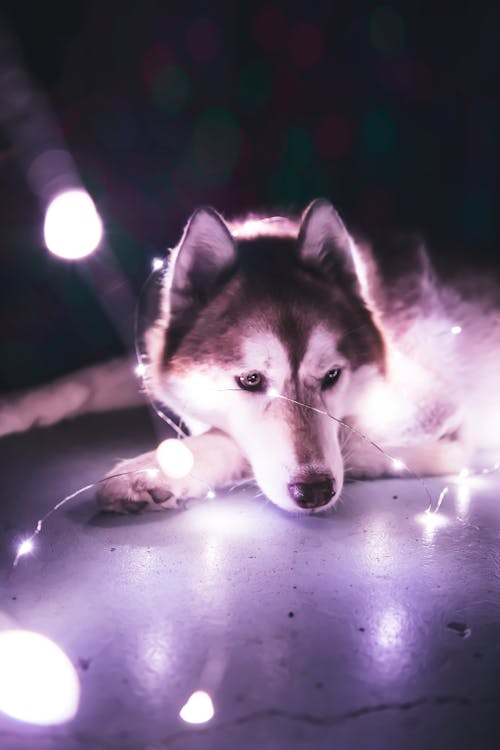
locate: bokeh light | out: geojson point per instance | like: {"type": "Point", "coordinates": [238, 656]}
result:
{"type": "Point", "coordinates": [203, 40]}
{"type": "Point", "coordinates": [72, 227]}
{"type": "Point", "coordinates": [155, 58]}
{"type": "Point", "coordinates": [297, 156]}
{"type": "Point", "coordinates": [255, 85]}
{"type": "Point", "coordinates": [378, 132]}
{"type": "Point", "coordinates": [271, 28]}
{"type": "Point", "coordinates": [298, 148]}
{"type": "Point", "coordinates": [478, 214]}
{"type": "Point", "coordinates": [387, 31]}
{"type": "Point", "coordinates": [333, 136]}
{"type": "Point", "coordinates": [216, 144]}
{"type": "Point", "coordinates": [170, 89]}
{"type": "Point", "coordinates": [306, 46]}
{"type": "Point", "coordinates": [116, 127]}
{"type": "Point", "coordinates": [288, 91]}
{"type": "Point", "coordinates": [38, 683]}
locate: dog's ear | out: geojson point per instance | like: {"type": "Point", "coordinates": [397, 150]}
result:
{"type": "Point", "coordinates": [325, 244]}
{"type": "Point", "coordinates": [204, 255]}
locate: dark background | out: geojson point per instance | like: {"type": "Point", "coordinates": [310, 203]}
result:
{"type": "Point", "coordinates": [391, 110]}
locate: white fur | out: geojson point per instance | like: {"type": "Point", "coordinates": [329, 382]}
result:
{"type": "Point", "coordinates": [320, 356]}
{"type": "Point", "coordinates": [438, 405]}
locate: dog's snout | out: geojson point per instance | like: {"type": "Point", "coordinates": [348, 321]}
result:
{"type": "Point", "coordinates": [312, 493]}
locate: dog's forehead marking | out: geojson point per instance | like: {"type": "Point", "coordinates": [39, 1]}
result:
{"type": "Point", "coordinates": [321, 351]}
{"type": "Point", "coordinates": [264, 351]}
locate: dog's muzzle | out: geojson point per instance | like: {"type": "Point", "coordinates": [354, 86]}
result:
{"type": "Point", "coordinates": [313, 493]}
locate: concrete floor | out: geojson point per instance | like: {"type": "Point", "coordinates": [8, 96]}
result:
{"type": "Point", "coordinates": [364, 629]}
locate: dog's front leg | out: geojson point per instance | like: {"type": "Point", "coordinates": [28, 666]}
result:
{"type": "Point", "coordinates": [428, 458]}
{"type": "Point", "coordinates": [143, 485]}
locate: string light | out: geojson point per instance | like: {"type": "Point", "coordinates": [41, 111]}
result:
{"type": "Point", "coordinates": [28, 544]}
{"type": "Point", "coordinates": [491, 469]}
{"type": "Point", "coordinates": [25, 547]}
{"type": "Point", "coordinates": [441, 497]}
{"type": "Point", "coordinates": [175, 458]}
{"type": "Point", "coordinates": [431, 522]}
{"type": "Point", "coordinates": [430, 518]}
{"type": "Point", "coordinates": [398, 465]}
{"type": "Point", "coordinates": [157, 264]}
{"type": "Point", "coordinates": [142, 355]}
{"type": "Point", "coordinates": [396, 462]}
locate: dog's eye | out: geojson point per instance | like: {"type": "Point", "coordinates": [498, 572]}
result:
{"type": "Point", "coordinates": [331, 378]}
{"type": "Point", "coordinates": [251, 381]}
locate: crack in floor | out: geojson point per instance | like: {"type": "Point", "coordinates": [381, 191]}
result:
{"type": "Point", "coordinates": [328, 720]}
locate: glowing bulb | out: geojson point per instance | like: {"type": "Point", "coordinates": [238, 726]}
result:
{"type": "Point", "coordinates": [72, 228]}
{"type": "Point", "coordinates": [273, 392]}
{"type": "Point", "coordinates": [25, 547]}
{"type": "Point", "coordinates": [431, 521]}
{"type": "Point", "coordinates": [463, 473]}
{"type": "Point", "coordinates": [38, 683]}
{"type": "Point", "coordinates": [157, 264]}
{"type": "Point", "coordinates": [198, 709]}
{"type": "Point", "coordinates": [175, 458]}
{"type": "Point", "coordinates": [398, 465]}
{"type": "Point", "coordinates": [210, 494]}
{"type": "Point", "coordinates": [140, 369]}
{"type": "Point", "coordinates": [456, 330]}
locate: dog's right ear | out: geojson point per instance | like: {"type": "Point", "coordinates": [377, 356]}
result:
{"type": "Point", "coordinates": [205, 254]}
{"type": "Point", "coordinates": [325, 244]}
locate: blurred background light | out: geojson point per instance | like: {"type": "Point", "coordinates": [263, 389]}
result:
{"type": "Point", "coordinates": [72, 227]}
{"type": "Point", "coordinates": [38, 683]}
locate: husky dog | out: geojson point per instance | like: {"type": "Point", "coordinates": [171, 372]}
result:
{"type": "Point", "coordinates": [297, 361]}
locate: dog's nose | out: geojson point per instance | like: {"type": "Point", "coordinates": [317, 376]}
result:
{"type": "Point", "coordinates": [313, 493]}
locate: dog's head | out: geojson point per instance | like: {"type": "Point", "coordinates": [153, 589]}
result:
{"type": "Point", "coordinates": [261, 332]}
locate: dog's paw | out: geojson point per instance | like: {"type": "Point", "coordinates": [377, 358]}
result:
{"type": "Point", "coordinates": [138, 484]}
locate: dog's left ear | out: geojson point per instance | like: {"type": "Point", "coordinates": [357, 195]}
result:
{"type": "Point", "coordinates": [325, 244]}
{"type": "Point", "coordinates": [206, 252]}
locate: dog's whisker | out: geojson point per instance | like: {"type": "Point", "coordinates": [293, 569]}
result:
{"type": "Point", "coordinates": [351, 431]}
{"type": "Point", "coordinates": [396, 463]}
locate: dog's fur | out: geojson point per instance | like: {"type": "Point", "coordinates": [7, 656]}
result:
{"type": "Point", "coordinates": [293, 301]}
